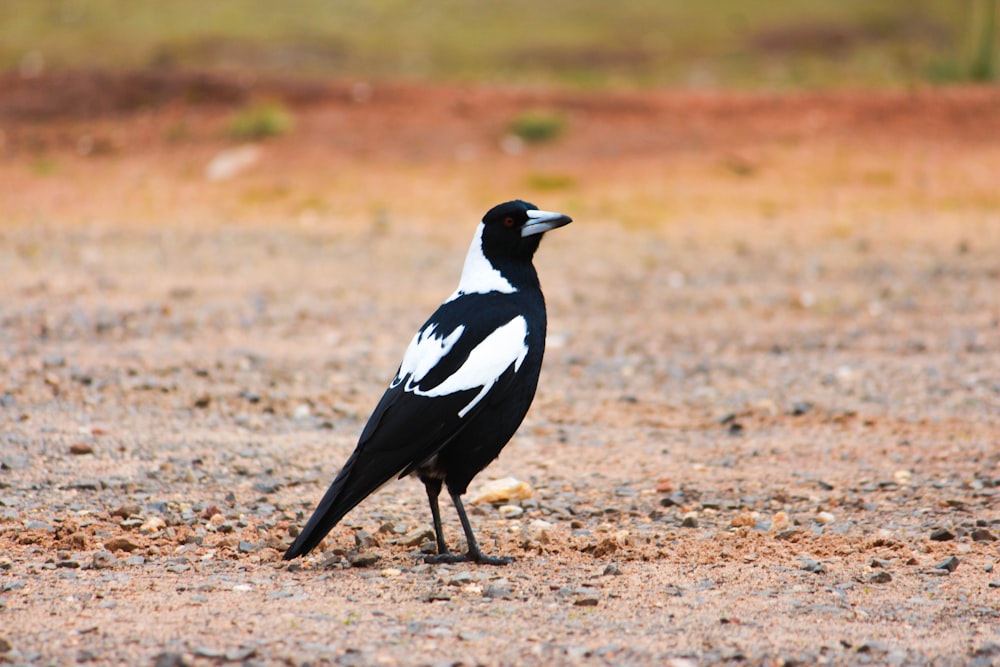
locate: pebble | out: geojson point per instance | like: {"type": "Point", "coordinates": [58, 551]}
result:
{"type": "Point", "coordinates": [950, 563]}
{"type": "Point", "coordinates": [814, 566]}
{"type": "Point", "coordinates": [460, 579]}
{"type": "Point", "coordinates": [79, 448]}
{"type": "Point", "coordinates": [880, 577]}
{"type": "Point", "coordinates": [586, 602]}
{"type": "Point", "coordinates": [415, 537]}
{"type": "Point", "coordinates": [612, 570]}
{"type": "Point", "coordinates": [983, 535]}
{"type": "Point", "coordinates": [498, 590]}
{"type": "Point", "coordinates": [942, 535]}
{"type": "Point", "coordinates": [510, 511]}
{"type": "Point", "coordinates": [539, 531]}
{"type": "Point", "coordinates": [152, 525]}
{"type": "Point", "coordinates": [690, 520]}
{"type": "Point", "coordinates": [39, 525]}
{"type": "Point", "coordinates": [825, 517]}
{"type": "Point", "coordinates": [501, 490]}
{"type": "Point", "coordinates": [362, 559]}
{"type": "Point", "coordinates": [120, 544]}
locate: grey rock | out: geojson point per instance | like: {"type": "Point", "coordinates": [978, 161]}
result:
{"type": "Point", "coordinates": [362, 559]}
{"type": "Point", "coordinates": [170, 660]}
{"type": "Point", "coordinates": [983, 535]}
{"type": "Point", "coordinates": [950, 563]}
{"type": "Point", "coordinates": [942, 535]}
{"type": "Point", "coordinates": [415, 537]}
{"type": "Point", "coordinates": [39, 525]}
{"type": "Point", "coordinates": [880, 577]}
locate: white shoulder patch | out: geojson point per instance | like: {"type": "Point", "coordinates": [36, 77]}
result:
{"type": "Point", "coordinates": [478, 274]}
{"type": "Point", "coordinates": [486, 363]}
{"type": "Point", "coordinates": [424, 352]}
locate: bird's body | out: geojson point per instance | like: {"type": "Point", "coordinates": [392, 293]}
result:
{"type": "Point", "coordinates": [465, 383]}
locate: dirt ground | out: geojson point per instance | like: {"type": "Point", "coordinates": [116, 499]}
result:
{"type": "Point", "coordinates": [766, 431]}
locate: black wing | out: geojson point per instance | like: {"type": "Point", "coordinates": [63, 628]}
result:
{"type": "Point", "coordinates": [443, 382]}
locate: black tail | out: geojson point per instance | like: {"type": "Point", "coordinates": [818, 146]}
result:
{"type": "Point", "coordinates": [346, 492]}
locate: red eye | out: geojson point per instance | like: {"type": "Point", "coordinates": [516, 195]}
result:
{"type": "Point", "coordinates": [508, 222]}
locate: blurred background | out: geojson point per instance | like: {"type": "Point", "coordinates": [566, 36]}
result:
{"type": "Point", "coordinates": [740, 43]}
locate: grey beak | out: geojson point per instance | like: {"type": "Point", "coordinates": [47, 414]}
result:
{"type": "Point", "coordinates": [540, 222]}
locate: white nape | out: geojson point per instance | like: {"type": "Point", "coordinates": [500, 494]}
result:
{"type": "Point", "coordinates": [478, 274]}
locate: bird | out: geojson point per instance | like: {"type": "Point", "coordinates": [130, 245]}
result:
{"type": "Point", "coordinates": [466, 381]}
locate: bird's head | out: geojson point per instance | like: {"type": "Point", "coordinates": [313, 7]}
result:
{"type": "Point", "coordinates": [515, 228]}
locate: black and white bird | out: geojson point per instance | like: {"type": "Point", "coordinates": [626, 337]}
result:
{"type": "Point", "coordinates": [464, 385]}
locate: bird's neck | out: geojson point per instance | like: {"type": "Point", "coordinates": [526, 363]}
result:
{"type": "Point", "coordinates": [505, 275]}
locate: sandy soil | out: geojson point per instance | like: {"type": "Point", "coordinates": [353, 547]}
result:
{"type": "Point", "coordinates": [766, 431]}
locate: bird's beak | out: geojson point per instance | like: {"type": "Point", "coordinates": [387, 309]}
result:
{"type": "Point", "coordinates": [540, 222]}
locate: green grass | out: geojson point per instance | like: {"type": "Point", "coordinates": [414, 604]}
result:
{"type": "Point", "coordinates": [261, 121]}
{"type": "Point", "coordinates": [589, 43]}
{"type": "Point", "coordinates": [538, 127]}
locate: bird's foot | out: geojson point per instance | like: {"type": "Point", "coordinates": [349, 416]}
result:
{"type": "Point", "coordinates": [434, 559]}
{"type": "Point", "coordinates": [469, 557]}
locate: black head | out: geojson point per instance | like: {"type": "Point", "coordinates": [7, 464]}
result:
{"type": "Point", "coordinates": [515, 228]}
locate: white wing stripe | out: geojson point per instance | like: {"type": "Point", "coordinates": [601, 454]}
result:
{"type": "Point", "coordinates": [484, 366]}
{"type": "Point", "coordinates": [424, 352]}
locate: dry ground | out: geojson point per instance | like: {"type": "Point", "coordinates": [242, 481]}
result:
{"type": "Point", "coordinates": [768, 416]}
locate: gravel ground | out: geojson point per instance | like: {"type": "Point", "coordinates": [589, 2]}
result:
{"type": "Point", "coordinates": [758, 439]}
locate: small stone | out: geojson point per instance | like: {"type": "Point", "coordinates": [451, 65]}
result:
{"type": "Point", "coordinates": [780, 521]}
{"type": "Point", "coordinates": [498, 591]}
{"type": "Point", "coordinates": [120, 544]}
{"type": "Point", "coordinates": [813, 566]}
{"type": "Point", "coordinates": [539, 531]}
{"type": "Point", "coordinates": [246, 547]}
{"type": "Point", "coordinates": [994, 584]}
{"type": "Point", "coordinates": [800, 408]}
{"type": "Point", "coordinates": [68, 564]}
{"type": "Point", "coordinates": [825, 517]}
{"type": "Point", "coordinates": [40, 525]}
{"type": "Point", "coordinates": [415, 537]}
{"type": "Point", "coordinates": [880, 577]}
{"type": "Point", "coordinates": [126, 511]}
{"type": "Point", "coordinates": [501, 491]}
{"type": "Point", "coordinates": [170, 660]}
{"type": "Point", "coordinates": [983, 535]}
{"type": "Point", "coordinates": [690, 520]}
{"type": "Point", "coordinates": [873, 646]}
{"type": "Point", "coordinates": [203, 401]}
{"type": "Point", "coordinates": [362, 559]}
{"type": "Point", "coordinates": [942, 535]}
{"type": "Point", "coordinates": [239, 654]}
{"type": "Point", "coordinates": [612, 570]}
{"type": "Point", "coordinates": [460, 579]}
{"type": "Point", "coordinates": [365, 540]}
{"type": "Point", "coordinates": [5, 645]}
{"type": "Point", "coordinates": [510, 511]}
{"type": "Point", "coordinates": [80, 448]}
{"type": "Point", "coordinates": [586, 602]}
{"type": "Point", "coordinates": [102, 559]}
{"type": "Point", "coordinates": [950, 563]}
{"type": "Point", "coordinates": [153, 524]}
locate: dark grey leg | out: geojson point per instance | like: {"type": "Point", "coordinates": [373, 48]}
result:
{"type": "Point", "coordinates": [474, 554]}
{"type": "Point", "coordinates": [433, 487]}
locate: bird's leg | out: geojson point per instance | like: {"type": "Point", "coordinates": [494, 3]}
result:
{"type": "Point", "coordinates": [474, 553]}
{"type": "Point", "coordinates": [433, 487]}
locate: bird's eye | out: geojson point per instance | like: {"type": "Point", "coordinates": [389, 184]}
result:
{"type": "Point", "coordinates": [508, 222]}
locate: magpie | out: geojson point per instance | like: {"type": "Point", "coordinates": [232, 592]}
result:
{"type": "Point", "coordinates": [465, 383]}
